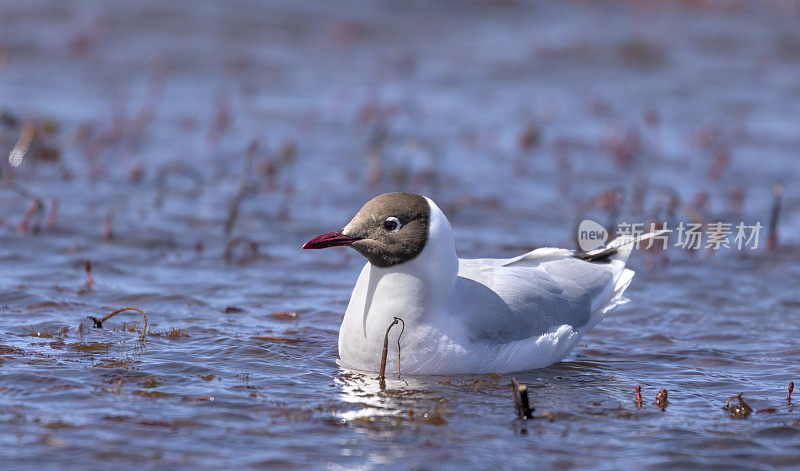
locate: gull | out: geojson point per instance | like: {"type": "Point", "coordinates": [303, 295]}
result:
{"type": "Point", "coordinates": [466, 316]}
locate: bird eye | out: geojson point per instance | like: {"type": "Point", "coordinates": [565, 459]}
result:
{"type": "Point", "coordinates": [392, 224]}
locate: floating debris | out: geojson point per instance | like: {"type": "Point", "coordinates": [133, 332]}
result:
{"type": "Point", "coordinates": [116, 389]}
{"type": "Point", "coordinates": [151, 382]}
{"type": "Point", "coordinates": [140, 392]}
{"type": "Point", "coordinates": [661, 399]}
{"type": "Point", "coordinates": [737, 411]}
{"type": "Point", "coordinates": [173, 333]}
{"type": "Point", "coordinates": [199, 398]}
{"type": "Point", "coordinates": [435, 415]}
{"type": "Point", "coordinates": [45, 333]}
{"type": "Point", "coordinates": [90, 347]}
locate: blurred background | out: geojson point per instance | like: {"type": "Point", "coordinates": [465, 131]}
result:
{"type": "Point", "coordinates": [174, 156]}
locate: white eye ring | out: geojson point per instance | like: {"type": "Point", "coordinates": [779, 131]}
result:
{"type": "Point", "coordinates": [392, 224]}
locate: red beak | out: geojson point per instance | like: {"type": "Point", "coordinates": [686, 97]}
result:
{"type": "Point", "coordinates": [331, 239]}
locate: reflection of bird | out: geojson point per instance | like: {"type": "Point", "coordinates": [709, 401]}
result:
{"type": "Point", "coordinates": [462, 315]}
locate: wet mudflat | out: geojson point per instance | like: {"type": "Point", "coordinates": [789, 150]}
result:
{"type": "Point", "coordinates": [187, 150]}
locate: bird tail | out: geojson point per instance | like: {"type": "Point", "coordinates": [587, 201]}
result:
{"type": "Point", "coordinates": [618, 249]}
{"type": "Point", "coordinates": [615, 254]}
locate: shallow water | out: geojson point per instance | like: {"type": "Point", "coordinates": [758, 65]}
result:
{"type": "Point", "coordinates": [511, 116]}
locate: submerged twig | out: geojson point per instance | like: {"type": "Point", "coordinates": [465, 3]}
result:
{"type": "Point", "coordinates": [382, 375]}
{"type": "Point", "coordinates": [98, 323]}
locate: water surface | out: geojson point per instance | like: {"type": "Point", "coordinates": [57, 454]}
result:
{"type": "Point", "coordinates": [513, 117]}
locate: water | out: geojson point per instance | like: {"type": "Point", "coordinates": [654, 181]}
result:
{"type": "Point", "coordinates": [511, 116]}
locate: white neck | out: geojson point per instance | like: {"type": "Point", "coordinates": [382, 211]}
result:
{"type": "Point", "coordinates": [423, 283]}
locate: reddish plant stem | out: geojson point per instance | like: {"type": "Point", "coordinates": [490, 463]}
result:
{"type": "Point", "coordinates": [26, 221]}
{"type": "Point", "coordinates": [791, 389]}
{"type": "Point", "coordinates": [661, 399]}
{"type": "Point", "coordinates": [638, 397]}
{"type": "Point", "coordinates": [87, 266]}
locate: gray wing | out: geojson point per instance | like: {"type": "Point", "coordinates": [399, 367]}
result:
{"type": "Point", "coordinates": [502, 300]}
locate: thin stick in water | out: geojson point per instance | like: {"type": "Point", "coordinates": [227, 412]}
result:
{"type": "Point", "coordinates": [98, 323]}
{"type": "Point", "coordinates": [515, 388]}
{"type": "Point", "coordinates": [385, 352]}
{"type": "Point", "coordinates": [521, 401]}
{"type": "Point", "coordinates": [35, 206]}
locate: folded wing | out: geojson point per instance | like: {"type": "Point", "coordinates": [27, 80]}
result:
{"type": "Point", "coordinates": [503, 300]}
